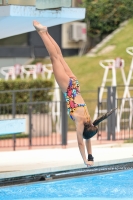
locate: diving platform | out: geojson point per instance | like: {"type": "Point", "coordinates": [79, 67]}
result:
{"type": "Point", "coordinates": [17, 19]}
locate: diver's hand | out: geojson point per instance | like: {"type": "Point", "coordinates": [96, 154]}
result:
{"type": "Point", "coordinates": [89, 163]}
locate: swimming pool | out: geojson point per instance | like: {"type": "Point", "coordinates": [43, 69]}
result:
{"type": "Point", "coordinates": [109, 186]}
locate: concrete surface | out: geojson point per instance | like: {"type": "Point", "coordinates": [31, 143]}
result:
{"type": "Point", "coordinates": [28, 162]}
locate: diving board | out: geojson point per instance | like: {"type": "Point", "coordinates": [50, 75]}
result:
{"type": "Point", "coordinates": [12, 127]}
{"type": "Point", "coordinates": [15, 19]}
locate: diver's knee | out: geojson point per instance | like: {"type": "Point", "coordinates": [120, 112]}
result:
{"type": "Point", "coordinates": [54, 58]}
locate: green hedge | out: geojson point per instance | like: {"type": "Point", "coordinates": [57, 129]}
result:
{"type": "Point", "coordinates": [20, 96]}
{"type": "Point", "coordinates": [10, 136]}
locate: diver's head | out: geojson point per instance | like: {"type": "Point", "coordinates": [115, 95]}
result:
{"type": "Point", "coordinates": [89, 130]}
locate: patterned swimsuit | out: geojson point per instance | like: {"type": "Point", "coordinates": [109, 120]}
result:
{"type": "Point", "coordinates": [72, 91]}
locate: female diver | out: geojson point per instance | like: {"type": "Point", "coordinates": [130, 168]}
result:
{"type": "Point", "coordinates": [69, 85]}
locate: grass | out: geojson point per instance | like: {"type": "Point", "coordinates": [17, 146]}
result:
{"type": "Point", "coordinates": [128, 141]}
{"type": "Point", "coordinates": [88, 70]}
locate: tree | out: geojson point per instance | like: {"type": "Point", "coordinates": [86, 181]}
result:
{"type": "Point", "coordinates": [104, 16]}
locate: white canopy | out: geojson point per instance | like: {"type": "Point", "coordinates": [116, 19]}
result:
{"type": "Point", "coordinates": [15, 19]}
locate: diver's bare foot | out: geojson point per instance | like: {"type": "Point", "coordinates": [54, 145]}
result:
{"type": "Point", "coordinates": [39, 27]}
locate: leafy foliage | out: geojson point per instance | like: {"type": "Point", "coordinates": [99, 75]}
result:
{"type": "Point", "coordinates": [8, 87]}
{"type": "Point", "coordinates": [104, 16]}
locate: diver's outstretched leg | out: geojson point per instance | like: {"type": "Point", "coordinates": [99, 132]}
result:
{"type": "Point", "coordinates": [59, 72]}
{"type": "Point", "coordinates": [65, 65]}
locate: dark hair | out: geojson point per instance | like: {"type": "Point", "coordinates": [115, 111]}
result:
{"type": "Point", "coordinates": [89, 130]}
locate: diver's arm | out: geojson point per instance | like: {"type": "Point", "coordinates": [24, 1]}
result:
{"type": "Point", "coordinates": [81, 146]}
{"type": "Point", "coordinates": [89, 151]}
{"type": "Point", "coordinates": [88, 146]}
{"type": "Point", "coordinates": [82, 149]}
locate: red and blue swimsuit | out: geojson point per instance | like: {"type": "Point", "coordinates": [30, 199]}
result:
{"type": "Point", "coordinates": [72, 91]}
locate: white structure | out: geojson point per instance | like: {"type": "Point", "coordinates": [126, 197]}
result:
{"type": "Point", "coordinates": [12, 72]}
{"type": "Point", "coordinates": [56, 108]}
{"type": "Point", "coordinates": [33, 70]}
{"type": "Point", "coordinates": [126, 95]}
{"type": "Point", "coordinates": [113, 65]}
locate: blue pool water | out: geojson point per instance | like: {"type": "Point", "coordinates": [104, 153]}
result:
{"type": "Point", "coordinates": [112, 186]}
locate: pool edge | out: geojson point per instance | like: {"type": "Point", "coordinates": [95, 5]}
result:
{"type": "Point", "coordinates": [48, 176]}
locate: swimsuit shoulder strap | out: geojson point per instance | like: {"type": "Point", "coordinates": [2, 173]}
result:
{"type": "Point", "coordinates": [86, 113]}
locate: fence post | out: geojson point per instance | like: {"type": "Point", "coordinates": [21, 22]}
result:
{"type": "Point", "coordinates": [111, 121]}
{"type": "Point", "coordinates": [64, 120]}
{"type": "Point", "coordinates": [99, 104]}
{"type": "Point", "coordinates": [30, 120]}
{"type": "Point", "coordinates": [13, 116]}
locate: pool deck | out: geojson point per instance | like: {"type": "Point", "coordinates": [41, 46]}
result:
{"type": "Point", "coordinates": [36, 161]}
